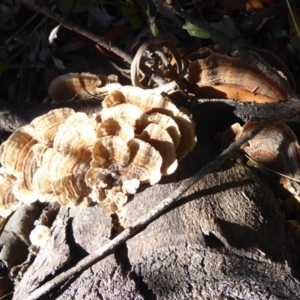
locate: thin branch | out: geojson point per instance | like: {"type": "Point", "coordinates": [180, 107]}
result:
{"type": "Point", "coordinates": [106, 43]}
{"type": "Point", "coordinates": [157, 211]}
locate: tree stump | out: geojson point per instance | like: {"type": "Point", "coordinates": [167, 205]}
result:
{"type": "Point", "coordinates": [224, 238]}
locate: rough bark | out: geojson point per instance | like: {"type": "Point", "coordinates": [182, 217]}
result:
{"type": "Point", "coordinates": [225, 238]}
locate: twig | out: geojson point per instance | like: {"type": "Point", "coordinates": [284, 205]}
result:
{"type": "Point", "coordinates": [158, 210]}
{"type": "Point", "coordinates": [104, 42]}
{"type": "Point", "coordinates": [82, 31]}
{"type": "Point", "coordinates": [21, 29]}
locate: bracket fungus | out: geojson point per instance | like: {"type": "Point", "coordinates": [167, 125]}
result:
{"type": "Point", "coordinates": [70, 158]}
{"type": "Point", "coordinates": [76, 86]}
{"type": "Point", "coordinates": [221, 76]}
{"type": "Point", "coordinates": [275, 147]}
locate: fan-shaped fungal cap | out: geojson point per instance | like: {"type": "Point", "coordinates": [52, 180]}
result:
{"type": "Point", "coordinates": [113, 99]}
{"type": "Point", "coordinates": [14, 150]}
{"type": "Point", "coordinates": [57, 164]}
{"type": "Point", "coordinates": [8, 202]}
{"type": "Point", "coordinates": [167, 123]}
{"type": "Point", "coordinates": [74, 86]}
{"type": "Point", "coordinates": [130, 113]}
{"type": "Point", "coordinates": [275, 147]}
{"type": "Point", "coordinates": [159, 138]}
{"type": "Point", "coordinates": [23, 189]}
{"type": "Point", "coordinates": [45, 127]}
{"type": "Point", "coordinates": [187, 131]}
{"type": "Point", "coordinates": [145, 163]}
{"type": "Point", "coordinates": [75, 135]}
{"type": "Point", "coordinates": [146, 100]}
{"type": "Point", "coordinates": [115, 127]}
{"type": "Point", "coordinates": [220, 76]}
{"type": "Point", "coordinates": [111, 152]}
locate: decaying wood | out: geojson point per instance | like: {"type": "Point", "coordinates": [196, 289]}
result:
{"type": "Point", "coordinates": [224, 238]}
{"type": "Point", "coordinates": [139, 224]}
{"type": "Point", "coordinates": [13, 117]}
{"type": "Point", "coordinates": [205, 108]}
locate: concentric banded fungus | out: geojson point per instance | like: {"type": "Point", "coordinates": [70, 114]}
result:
{"type": "Point", "coordinates": [116, 127]}
{"type": "Point", "coordinates": [46, 126]}
{"type": "Point", "coordinates": [150, 104]}
{"type": "Point", "coordinates": [167, 123]}
{"type": "Point", "coordinates": [145, 163]}
{"type": "Point", "coordinates": [276, 147]}
{"type": "Point", "coordinates": [160, 139]}
{"type": "Point", "coordinates": [8, 202]}
{"type": "Point", "coordinates": [110, 152]}
{"type": "Point", "coordinates": [70, 158]}
{"type": "Point", "coordinates": [19, 142]}
{"type": "Point", "coordinates": [221, 76]}
{"type": "Point", "coordinates": [74, 86]}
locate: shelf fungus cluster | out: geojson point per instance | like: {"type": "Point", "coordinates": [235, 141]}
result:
{"type": "Point", "coordinates": [275, 147]}
{"type": "Point", "coordinates": [73, 159]}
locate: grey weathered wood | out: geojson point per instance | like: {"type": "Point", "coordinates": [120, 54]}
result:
{"type": "Point", "coordinates": [50, 259]}
{"type": "Point", "coordinates": [75, 231]}
{"type": "Point", "coordinates": [225, 238]}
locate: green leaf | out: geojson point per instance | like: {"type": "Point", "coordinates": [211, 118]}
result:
{"type": "Point", "coordinates": [81, 5]}
{"type": "Point", "coordinates": [155, 29]}
{"type": "Point", "coordinates": [195, 30]}
{"type": "Point", "coordinates": [3, 66]}
{"type": "Point", "coordinates": [279, 33]}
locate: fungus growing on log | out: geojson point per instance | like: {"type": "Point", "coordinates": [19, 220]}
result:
{"type": "Point", "coordinates": [221, 76]}
{"type": "Point", "coordinates": [76, 86]}
{"type": "Point", "coordinates": [70, 158]}
{"type": "Point", "coordinates": [275, 147]}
